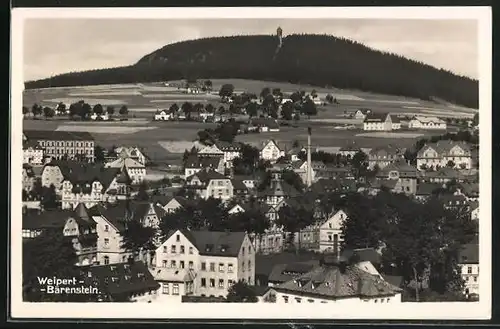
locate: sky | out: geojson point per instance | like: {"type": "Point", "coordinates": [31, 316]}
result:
{"type": "Point", "coordinates": [54, 46]}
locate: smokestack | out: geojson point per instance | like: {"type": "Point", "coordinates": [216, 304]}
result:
{"type": "Point", "coordinates": [309, 170]}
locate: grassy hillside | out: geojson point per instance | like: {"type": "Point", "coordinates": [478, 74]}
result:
{"type": "Point", "coordinates": [317, 60]}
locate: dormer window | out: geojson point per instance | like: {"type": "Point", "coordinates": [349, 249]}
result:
{"type": "Point", "coordinates": [114, 279]}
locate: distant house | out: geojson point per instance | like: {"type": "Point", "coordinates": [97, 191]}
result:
{"type": "Point", "coordinates": [444, 175]}
{"type": "Point", "coordinates": [32, 153]}
{"type": "Point", "coordinates": [378, 122]}
{"type": "Point", "coordinates": [323, 186]}
{"type": "Point", "coordinates": [231, 151]}
{"type": "Point", "coordinates": [330, 232]}
{"type": "Point", "coordinates": [265, 124]}
{"type": "Point", "coordinates": [474, 210]}
{"type": "Point", "coordinates": [431, 123]}
{"type": "Point", "coordinates": [239, 188]}
{"type": "Point", "coordinates": [195, 163]}
{"type": "Point", "coordinates": [333, 172]}
{"type": "Point", "coordinates": [209, 183]}
{"type": "Point", "coordinates": [28, 178]}
{"type": "Point", "coordinates": [176, 203]}
{"type": "Point", "coordinates": [270, 151]}
{"type": "Point", "coordinates": [99, 117]}
{"type": "Point", "coordinates": [349, 151]}
{"type": "Point", "coordinates": [469, 264]}
{"type": "Point", "coordinates": [361, 114]}
{"type": "Point", "coordinates": [444, 152]}
{"type": "Point", "coordinates": [396, 122]}
{"type": "Point", "coordinates": [249, 181]}
{"type": "Point", "coordinates": [135, 170]}
{"type": "Point", "coordinates": [300, 168]}
{"type": "Point", "coordinates": [405, 174]}
{"type": "Point", "coordinates": [383, 156]}
{"type": "Point", "coordinates": [277, 191]}
{"type": "Point", "coordinates": [162, 115]}
{"type": "Point", "coordinates": [131, 152]}
{"type": "Point", "coordinates": [425, 190]}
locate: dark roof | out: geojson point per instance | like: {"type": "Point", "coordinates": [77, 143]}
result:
{"type": "Point", "coordinates": [395, 119]}
{"type": "Point", "coordinates": [202, 299]}
{"type": "Point", "coordinates": [238, 185]}
{"type": "Point", "coordinates": [115, 215]}
{"type": "Point", "coordinates": [280, 188]}
{"type": "Point", "coordinates": [324, 185]}
{"type": "Point", "coordinates": [395, 280]}
{"type": "Point", "coordinates": [379, 183]}
{"type": "Point", "coordinates": [404, 169]}
{"type": "Point", "coordinates": [31, 143]}
{"type": "Point", "coordinates": [469, 254]}
{"type": "Point", "coordinates": [195, 161]}
{"type": "Point", "coordinates": [33, 220]}
{"type": "Point", "coordinates": [122, 279]}
{"type": "Point", "coordinates": [443, 147]}
{"type": "Point", "coordinates": [264, 264]}
{"type": "Point", "coordinates": [375, 117]}
{"type": "Point", "coordinates": [259, 290]}
{"type": "Point", "coordinates": [205, 176]}
{"type": "Point", "coordinates": [211, 243]}
{"type": "Point", "coordinates": [79, 173]}
{"type": "Point", "coordinates": [227, 146]}
{"type": "Point", "coordinates": [333, 282]}
{"type": "Point", "coordinates": [57, 135]}
{"type": "Point", "coordinates": [281, 273]}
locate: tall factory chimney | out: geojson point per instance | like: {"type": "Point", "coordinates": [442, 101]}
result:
{"type": "Point", "coordinates": [309, 169]}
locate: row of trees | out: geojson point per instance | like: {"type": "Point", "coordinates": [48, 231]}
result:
{"type": "Point", "coordinates": [79, 109]}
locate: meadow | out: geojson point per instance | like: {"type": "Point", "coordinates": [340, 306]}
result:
{"type": "Point", "coordinates": [164, 141]}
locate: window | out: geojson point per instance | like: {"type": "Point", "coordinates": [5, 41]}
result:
{"type": "Point", "coordinates": [175, 289]}
{"type": "Point", "coordinates": [165, 288]}
{"type": "Point", "coordinates": [221, 283]}
{"type": "Point", "coordinates": [106, 260]}
{"type": "Point", "coordinates": [164, 263]}
{"type": "Point", "coordinates": [475, 278]}
{"type": "Point", "coordinates": [469, 269]}
{"type": "Point", "coordinates": [285, 299]}
{"type": "Point", "coordinates": [173, 249]}
{"type": "Point", "coordinates": [249, 265]}
{"type": "Point", "coordinates": [249, 280]}
{"type": "Point", "coordinates": [190, 250]}
{"type": "Point", "coordinates": [298, 300]}
{"type": "Point", "coordinates": [212, 267]}
{"type": "Point", "coordinates": [243, 266]}
{"type": "Point", "coordinates": [212, 283]}
{"type": "Point", "coordinates": [203, 266]}
{"type": "Point", "coordinates": [106, 242]}
{"type": "Point", "coordinates": [376, 300]}
{"type": "Point", "coordinates": [181, 264]}
{"type": "Point", "coordinates": [243, 251]}
{"type": "Point", "coordinates": [106, 228]}
{"type": "Point", "coordinates": [221, 267]}
{"type": "Point", "coordinates": [173, 264]}
{"type": "Point", "coordinates": [182, 249]}
{"type": "Point", "coordinates": [165, 249]}
{"type": "Point", "coordinates": [229, 283]}
{"type": "Point", "coordinates": [203, 282]}
{"type": "Point", "coordinates": [310, 300]}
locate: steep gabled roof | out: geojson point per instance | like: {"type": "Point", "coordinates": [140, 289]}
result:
{"type": "Point", "coordinates": [211, 243]}
{"type": "Point", "coordinates": [205, 176]}
{"type": "Point", "coordinates": [33, 220]}
{"type": "Point", "coordinates": [443, 147]}
{"type": "Point", "coordinates": [120, 279]}
{"type": "Point", "coordinates": [375, 117]}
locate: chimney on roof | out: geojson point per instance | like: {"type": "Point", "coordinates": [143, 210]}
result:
{"type": "Point", "coordinates": [309, 169]}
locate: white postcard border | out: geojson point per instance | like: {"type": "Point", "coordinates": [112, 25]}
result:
{"type": "Point", "coordinates": [420, 311]}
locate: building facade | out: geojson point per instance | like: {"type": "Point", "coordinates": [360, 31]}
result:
{"type": "Point", "coordinates": [445, 153]}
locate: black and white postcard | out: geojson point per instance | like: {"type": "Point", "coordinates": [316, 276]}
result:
{"type": "Point", "coordinates": [265, 163]}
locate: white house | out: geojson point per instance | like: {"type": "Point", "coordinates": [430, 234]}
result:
{"type": "Point", "coordinates": [431, 123]}
{"type": "Point", "coordinates": [174, 283]}
{"type": "Point", "coordinates": [32, 153]}
{"type": "Point", "coordinates": [99, 117]}
{"type": "Point", "coordinates": [209, 183]}
{"type": "Point", "coordinates": [215, 260]}
{"type": "Point", "coordinates": [270, 151]}
{"type": "Point", "coordinates": [135, 169]}
{"type": "Point", "coordinates": [131, 152]}
{"type": "Point", "coordinates": [330, 232]}
{"type": "Point", "coordinates": [361, 114]}
{"type": "Point", "coordinates": [162, 115]}
{"type": "Point", "coordinates": [469, 265]}
{"type": "Point", "coordinates": [377, 122]}
{"type": "Point", "coordinates": [443, 152]}
{"type": "Point", "coordinates": [196, 163]}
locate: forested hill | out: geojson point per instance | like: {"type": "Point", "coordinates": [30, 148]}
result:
{"type": "Point", "coordinates": [318, 60]}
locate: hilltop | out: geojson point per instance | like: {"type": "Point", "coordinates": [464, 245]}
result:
{"type": "Point", "coordinates": [317, 60]}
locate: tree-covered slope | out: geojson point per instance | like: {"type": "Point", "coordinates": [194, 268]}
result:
{"type": "Point", "coordinates": [318, 60]}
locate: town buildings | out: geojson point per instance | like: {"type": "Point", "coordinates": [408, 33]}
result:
{"type": "Point", "coordinates": [62, 144]}
{"type": "Point", "coordinates": [383, 156]}
{"type": "Point", "coordinates": [378, 122]}
{"type": "Point", "coordinates": [135, 170]}
{"type": "Point", "coordinates": [208, 262]}
{"type": "Point", "coordinates": [209, 183]}
{"type": "Point", "coordinates": [162, 115]}
{"type": "Point", "coordinates": [431, 123]}
{"type": "Point", "coordinates": [32, 153]}
{"type": "Point", "coordinates": [445, 153]}
{"type": "Point", "coordinates": [196, 163]}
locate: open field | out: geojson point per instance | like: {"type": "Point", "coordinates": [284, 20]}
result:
{"type": "Point", "coordinates": [164, 141]}
{"type": "Point", "coordinates": [383, 134]}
